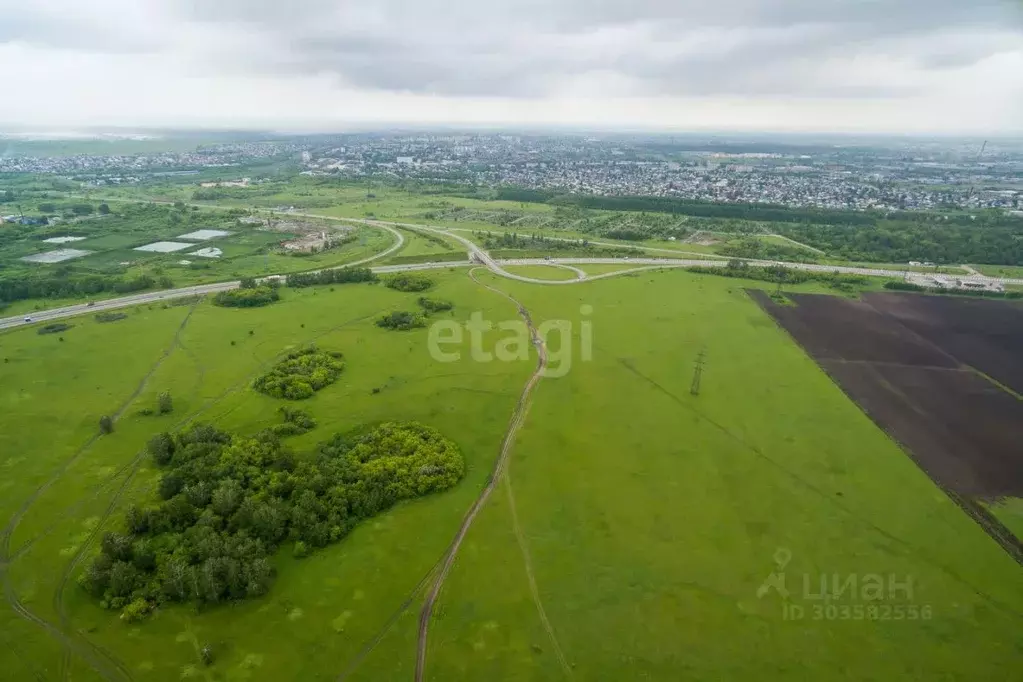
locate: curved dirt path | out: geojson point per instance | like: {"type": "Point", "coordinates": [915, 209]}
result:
{"type": "Point", "coordinates": [518, 417]}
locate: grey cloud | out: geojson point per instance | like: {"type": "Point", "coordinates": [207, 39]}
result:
{"type": "Point", "coordinates": [34, 25]}
{"type": "Point", "coordinates": [566, 15]}
{"type": "Point", "coordinates": [524, 48]}
{"type": "Point", "coordinates": [511, 48]}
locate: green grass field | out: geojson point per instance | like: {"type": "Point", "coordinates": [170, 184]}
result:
{"type": "Point", "coordinates": [1000, 270]}
{"type": "Point", "coordinates": [641, 518]}
{"type": "Point", "coordinates": [551, 272]}
{"type": "Point", "coordinates": [208, 377]}
{"type": "Point", "coordinates": [770, 455]}
{"type": "Point", "coordinates": [604, 268]}
{"type": "Point", "coordinates": [421, 247]}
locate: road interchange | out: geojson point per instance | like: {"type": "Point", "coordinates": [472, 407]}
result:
{"type": "Point", "coordinates": [475, 255]}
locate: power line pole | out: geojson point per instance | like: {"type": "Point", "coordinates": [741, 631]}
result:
{"type": "Point", "coordinates": [694, 388]}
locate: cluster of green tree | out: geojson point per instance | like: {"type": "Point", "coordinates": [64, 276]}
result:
{"type": "Point", "coordinates": [249, 295]}
{"type": "Point", "coordinates": [758, 249]}
{"type": "Point", "coordinates": [782, 275]}
{"type": "Point", "coordinates": [301, 373]}
{"type": "Point", "coordinates": [801, 216]}
{"type": "Point", "coordinates": [408, 282]}
{"type": "Point", "coordinates": [338, 276]}
{"type": "Point", "coordinates": [899, 285]}
{"type": "Point", "coordinates": [402, 320]}
{"type": "Point", "coordinates": [110, 317]}
{"type": "Point", "coordinates": [295, 422]}
{"type": "Point", "coordinates": [435, 240]}
{"type": "Point", "coordinates": [228, 503]}
{"type": "Point", "coordinates": [630, 234]}
{"type": "Point", "coordinates": [935, 241]}
{"type": "Point", "coordinates": [164, 405]}
{"type": "Point", "coordinates": [54, 328]}
{"type": "Point", "coordinates": [708, 209]}
{"type": "Point", "coordinates": [435, 305]}
{"type": "Point", "coordinates": [539, 242]}
{"type": "Point", "coordinates": [523, 195]}
{"type": "Point", "coordinates": [211, 195]}
{"type": "Point", "coordinates": [19, 287]}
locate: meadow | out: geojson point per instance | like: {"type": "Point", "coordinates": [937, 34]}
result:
{"type": "Point", "coordinates": [1000, 270]}
{"type": "Point", "coordinates": [628, 538]}
{"type": "Point", "coordinates": [548, 272]}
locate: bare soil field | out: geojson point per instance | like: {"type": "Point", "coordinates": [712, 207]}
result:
{"type": "Point", "coordinates": [984, 334]}
{"type": "Point", "coordinates": [908, 361]}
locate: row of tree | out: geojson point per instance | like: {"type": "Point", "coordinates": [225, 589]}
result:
{"type": "Point", "coordinates": [19, 287]}
{"type": "Point", "coordinates": [906, 240]}
{"type": "Point", "coordinates": [780, 274]}
{"type": "Point", "coordinates": [336, 276]}
{"type": "Point", "coordinates": [228, 503]}
{"type": "Point", "coordinates": [899, 285]}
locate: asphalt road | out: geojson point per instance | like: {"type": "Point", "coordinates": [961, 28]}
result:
{"type": "Point", "coordinates": [475, 255]}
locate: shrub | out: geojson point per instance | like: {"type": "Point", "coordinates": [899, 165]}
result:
{"type": "Point", "coordinates": [301, 373]}
{"type": "Point", "coordinates": [402, 321]}
{"type": "Point", "coordinates": [164, 403]}
{"type": "Point", "coordinates": [253, 297]}
{"type": "Point", "coordinates": [106, 424]}
{"type": "Point", "coordinates": [54, 328]}
{"type": "Point", "coordinates": [433, 305]}
{"type": "Point", "coordinates": [301, 550]}
{"type": "Point", "coordinates": [408, 282]}
{"type": "Point", "coordinates": [296, 422]}
{"type": "Point", "coordinates": [110, 317]}
{"type": "Point", "coordinates": [135, 611]}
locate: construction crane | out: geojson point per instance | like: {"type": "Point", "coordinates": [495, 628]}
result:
{"type": "Point", "coordinates": [975, 162]}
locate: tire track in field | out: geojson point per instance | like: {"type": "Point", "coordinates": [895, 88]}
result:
{"type": "Point", "coordinates": [58, 600]}
{"type": "Point", "coordinates": [518, 417]}
{"type": "Point", "coordinates": [5, 537]}
{"type": "Point", "coordinates": [99, 659]}
{"type": "Point", "coordinates": [69, 568]}
{"type": "Point", "coordinates": [533, 588]}
{"type": "Point", "coordinates": [27, 545]}
{"type": "Point", "coordinates": [517, 527]}
{"type": "Point", "coordinates": [17, 655]}
{"type": "Point", "coordinates": [905, 545]}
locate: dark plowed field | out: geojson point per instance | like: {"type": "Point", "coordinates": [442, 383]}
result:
{"type": "Point", "coordinates": [984, 334]}
{"type": "Point", "coordinates": [956, 424]}
{"type": "Point", "coordinates": [907, 361]}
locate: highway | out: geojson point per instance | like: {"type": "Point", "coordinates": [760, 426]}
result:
{"type": "Point", "coordinates": [476, 255]}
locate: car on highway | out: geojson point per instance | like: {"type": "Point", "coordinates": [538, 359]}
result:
{"type": "Point", "coordinates": [28, 319]}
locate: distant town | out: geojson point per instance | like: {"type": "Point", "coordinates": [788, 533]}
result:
{"type": "Point", "coordinates": [904, 175]}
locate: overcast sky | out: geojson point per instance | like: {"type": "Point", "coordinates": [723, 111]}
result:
{"type": "Point", "coordinates": [928, 66]}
